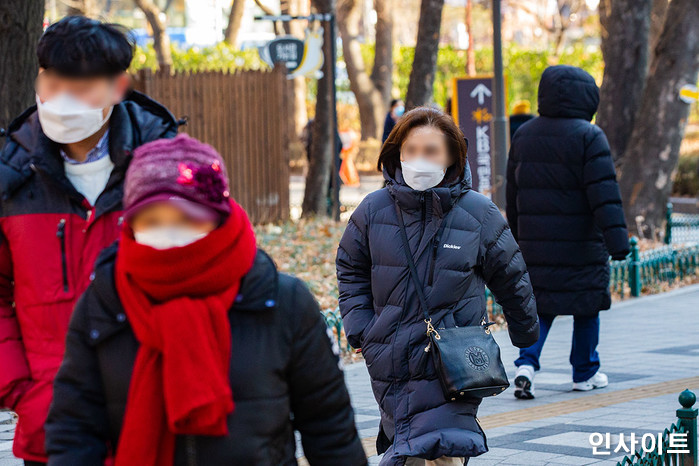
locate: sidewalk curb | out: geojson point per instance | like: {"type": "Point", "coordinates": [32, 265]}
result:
{"type": "Point", "coordinates": [631, 301]}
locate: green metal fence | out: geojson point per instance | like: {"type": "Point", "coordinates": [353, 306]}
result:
{"type": "Point", "coordinates": [681, 228]}
{"type": "Point", "coordinates": [644, 269]}
{"type": "Point", "coordinates": [678, 443]}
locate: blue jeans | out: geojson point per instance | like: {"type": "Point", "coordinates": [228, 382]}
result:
{"type": "Point", "coordinates": [583, 352]}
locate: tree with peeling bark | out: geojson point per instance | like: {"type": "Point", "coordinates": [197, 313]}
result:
{"type": "Point", "coordinates": [625, 32]}
{"type": "Point", "coordinates": [373, 92]}
{"type": "Point", "coordinates": [324, 127]}
{"type": "Point", "coordinates": [421, 85]}
{"type": "Point", "coordinates": [235, 19]}
{"type": "Point", "coordinates": [296, 29]}
{"type": "Point", "coordinates": [87, 8]}
{"type": "Point", "coordinates": [20, 28]}
{"type": "Point", "coordinates": [557, 24]}
{"type": "Point", "coordinates": [161, 41]}
{"type": "Point", "coordinates": [647, 166]}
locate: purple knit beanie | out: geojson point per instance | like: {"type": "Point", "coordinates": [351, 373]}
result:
{"type": "Point", "coordinates": [182, 170]}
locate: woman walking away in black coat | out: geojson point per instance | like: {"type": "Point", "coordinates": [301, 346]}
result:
{"type": "Point", "coordinates": [460, 243]}
{"type": "Point", "coordinates": [189, 348]}
{"type": "Point", "coordinates": [564, 208]}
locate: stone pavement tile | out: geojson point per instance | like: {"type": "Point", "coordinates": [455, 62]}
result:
{"type": "Point", "coordinates": [483, 460]}
{"type": "Point", "coordinates": [571, 460]}
{"type": "Point", "coordinates": [10, 462]}
{"type": "Point", "coordinates": [504, 430]}
{"type": "Point", "coordinates": [527, 458]}
{"type": "Point", "coordinates": [499, 452]}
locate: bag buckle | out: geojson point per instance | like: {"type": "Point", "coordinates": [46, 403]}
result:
{"type": "Point", "coordinates": [487, 325]}
{"type": "Point", "coordinates": [430, 330]}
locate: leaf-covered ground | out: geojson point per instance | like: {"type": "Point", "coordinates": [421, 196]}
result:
{"type": "Point", "coordinates": [306, 249]}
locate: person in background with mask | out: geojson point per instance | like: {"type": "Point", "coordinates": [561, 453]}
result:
{"type": "Point", "coordinates": [460, 243]}
{"type": "Point", "coordinates": [61, 173]}
{"type": "Point", "coordinates": [189, 346]}
{"type": "Point", "coordinates": [395, 111]}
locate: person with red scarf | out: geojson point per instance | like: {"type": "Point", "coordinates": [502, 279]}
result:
{"type": "Point", "coordinates": [189, 347]}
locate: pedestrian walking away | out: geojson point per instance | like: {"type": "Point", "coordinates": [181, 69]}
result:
{"type": "Point", "coordinates": [395, 111]}
{"type": "Point", "coordinates": [61, 173]}
{"type": "Point", "coordinates": [460, 243]}
{"type": "Point", "coordinates": [189, 347]}
{"type": "Point", "coordinates": [521, 113]}
{"type": "Point", "coordinates": [564, 209]}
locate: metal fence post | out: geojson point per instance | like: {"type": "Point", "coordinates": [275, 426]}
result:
{"type": "Point", "coordinates": [634, 268]}
{"type": "Point", "coordinates": [668, 223]}
{"type": "Point", "coordinates": [688, 419]}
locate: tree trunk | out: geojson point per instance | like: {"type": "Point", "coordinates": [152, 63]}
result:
{"type": "Point", "coordinates": [370, 99]}
{"type": "Point", "coordinates": [21, 24]}
{"type": "Point", "coordinates": [421, 85]}
{"type": "Point", "coordinates": [161, 41]}
{"type": "Point", "coordinates": [382, 72]}
{"type": "Point", "coordinates": [82, 8]}
{"type": "Point", "coordinates": [657, 19]}
{"type": "Point", "coordinates": [470, 53]}
{"type": "Point", "coordinates": [324, 127]}
{"type": "Point", "coordinates": [296, 29]}
{"type": "Point", "coordinates": [625, 28]}
{"type": "Point", "coordinates": [647, 167]}
{"type": "Point", "coordinates": [235, 18]}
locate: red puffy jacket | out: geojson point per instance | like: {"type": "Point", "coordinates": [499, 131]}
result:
{"type": "Point", "coordinates": [50, 236]}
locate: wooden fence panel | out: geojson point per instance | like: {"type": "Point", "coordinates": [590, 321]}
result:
{"type": "Point", "coordinates": [243, 115]}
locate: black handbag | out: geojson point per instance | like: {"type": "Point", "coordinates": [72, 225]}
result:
{"type": "Point", "coordinates": [467, 359]}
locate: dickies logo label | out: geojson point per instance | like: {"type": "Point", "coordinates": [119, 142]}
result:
{"type": "Point", "coordinates": [450, 246]}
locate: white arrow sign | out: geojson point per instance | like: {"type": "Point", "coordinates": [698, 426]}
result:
{"type": "Point", "coordinates": [482, 92]}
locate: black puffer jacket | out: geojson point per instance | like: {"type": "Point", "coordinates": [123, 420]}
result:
{"type": "Point", "coordinates": [283, 366]}
{"type": "Point", "coordinates": [563, 201]}
{"type": "Point", "coordinates": [460, 242]}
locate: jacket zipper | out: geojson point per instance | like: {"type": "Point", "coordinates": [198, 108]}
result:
{"type": "Point", "coordinates": [191, 448]}
{"type": "Point", "coordinates": [435, 246]}
{"type": "Point", "coordinates": [61, 234]}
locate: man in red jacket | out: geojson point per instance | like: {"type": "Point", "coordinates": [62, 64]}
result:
{"type": "Point", "coordinates": [61, 173]}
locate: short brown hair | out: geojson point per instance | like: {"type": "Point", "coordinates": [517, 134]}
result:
{"type": "Point", "coordinates": [415, 118]}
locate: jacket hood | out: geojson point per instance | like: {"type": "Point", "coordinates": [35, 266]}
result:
{"type": "Point", "coordinates": [567, 92]}
{"type": "Point", "coordinates": [135, 120]}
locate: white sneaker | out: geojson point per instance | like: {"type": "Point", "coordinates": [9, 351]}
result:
{"type": "Point", "coordinates": [524, 382]}
{"type": "Point", "coordinates": [599, 380]}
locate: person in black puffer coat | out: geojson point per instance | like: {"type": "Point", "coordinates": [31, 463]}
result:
{"type": "Point", "coordinates": [189, 347]}
{"type": "Point", "coordinates": [564, 209]}
{"type": "Point", "coordinates": [460, 243]}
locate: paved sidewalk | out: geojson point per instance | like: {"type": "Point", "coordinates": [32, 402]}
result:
{"type": "Point", "coordinates": [649, 348]}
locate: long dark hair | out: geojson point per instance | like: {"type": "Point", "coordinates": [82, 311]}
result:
{"type": "Point", "coordinates": [415, 118]}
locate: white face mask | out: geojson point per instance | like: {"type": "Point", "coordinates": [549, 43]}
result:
{"type": "Point", "coordinates": [421, 174]}
{"type": "Point", "coordinates": [65, 119]}
{"type": "Point", "coordinates": [168, 237]}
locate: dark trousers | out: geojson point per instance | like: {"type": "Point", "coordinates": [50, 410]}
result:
{"type": "Point", "coordinates": [583, 352]}
{"type": "Point", "coordinates": [33, 463]}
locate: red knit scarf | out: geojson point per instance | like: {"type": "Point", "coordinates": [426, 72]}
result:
{"type": "Point", "coordinates": [177, 302]}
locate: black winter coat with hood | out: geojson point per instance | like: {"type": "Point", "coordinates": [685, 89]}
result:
{"type": "Point", "coordinates": [563, 200]}
{"type": "Point", "coordinates": [460, 243]}
{"type": "Point", "coordinates": [284, 376]}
